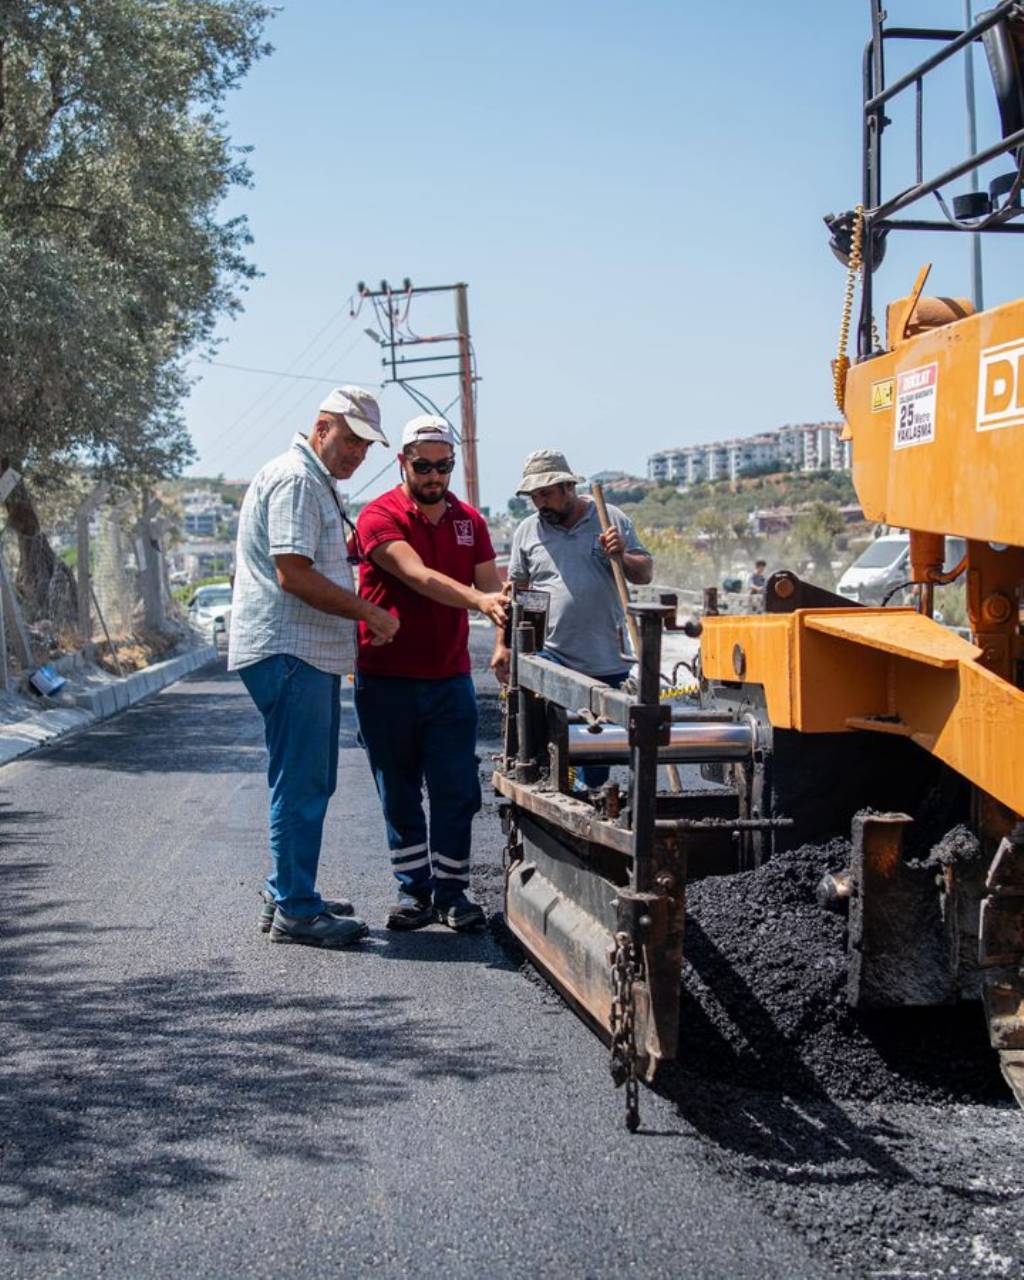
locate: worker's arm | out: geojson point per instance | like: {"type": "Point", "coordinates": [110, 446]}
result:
{"type": "Point", "coordinates": [297, 576]}
{"type": "Point", "coordinates": [403, 561]}
{"type": "Point", "coordinates": [638, 566]}
{"type": "Point", "coordinates": [485, 577]}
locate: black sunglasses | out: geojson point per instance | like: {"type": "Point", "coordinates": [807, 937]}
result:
{"type": "Point", "coordinates": [423, 468]}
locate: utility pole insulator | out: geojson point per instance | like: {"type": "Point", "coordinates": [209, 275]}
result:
{"type": "Point", "coordinates": [392, 318]}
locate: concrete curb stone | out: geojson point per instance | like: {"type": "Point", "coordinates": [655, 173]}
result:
{"type": "Point", "coordinates": [100, 703]}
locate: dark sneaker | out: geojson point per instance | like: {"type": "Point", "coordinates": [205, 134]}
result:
{"type": "Point", "coordinates": [318, 931]}
{"type": "Point", "coordinates": [333, 907]}
{"type": "Point", "coordinates": [411, 911]}
{"type": "Point", "coordinates": [459, 913]}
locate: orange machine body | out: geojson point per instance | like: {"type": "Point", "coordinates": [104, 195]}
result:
{"type": "Point", "coordinates": [937, 425]}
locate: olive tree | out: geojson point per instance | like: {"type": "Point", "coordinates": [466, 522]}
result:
{"type": "Point", "coordinates": [114, 262]}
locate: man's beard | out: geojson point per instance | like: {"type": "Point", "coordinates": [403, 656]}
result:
{"type": "Point", "coordinates": [418, 489]}
{"type": "Point", "coordinates": [552, 517]}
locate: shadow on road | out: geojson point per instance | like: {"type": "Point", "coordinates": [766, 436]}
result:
{"type": "Point", "coordinates": [117, 1091]}
{"type": "Point", "coordinates": [438, 945]}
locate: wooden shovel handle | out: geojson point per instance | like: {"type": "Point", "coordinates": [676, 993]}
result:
{"type": "Point", "coordinates": [618, 572]}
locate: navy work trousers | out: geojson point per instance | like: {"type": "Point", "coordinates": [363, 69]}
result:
{"type": "Point", "coordinates": [416, 733]}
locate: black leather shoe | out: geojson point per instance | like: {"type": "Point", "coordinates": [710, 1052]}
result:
{"type": "Point", "coordinates": [460, 914]}
{"type": "Point", "coordinates": [318, 931]}
{"type": "Point", "coordinates": [411, 911]}
{"type": "Point", "coordinates": [333, 907]}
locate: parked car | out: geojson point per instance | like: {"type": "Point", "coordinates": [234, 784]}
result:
{"type": "Point", "coordinates": [209, 610]}
{"type": "Point", "coordinates": [880, 568]}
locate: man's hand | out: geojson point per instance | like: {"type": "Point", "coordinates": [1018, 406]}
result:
{"type": "Point", "coordinates": [611, 542]}
{"type": "Point", "coordinates": [636, 565]}
{"type": "Point", "coordinates": [500, 662]}
{"type": "Point", "coordinates": [492, 604]}
{"type": "Point", "coordinates": [382, 625]}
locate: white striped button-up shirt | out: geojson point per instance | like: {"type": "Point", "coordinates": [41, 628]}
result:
{"type": "Point", "coordinates": [290, 508]}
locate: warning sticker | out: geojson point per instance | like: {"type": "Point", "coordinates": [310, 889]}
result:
{"type": "Point", "coordinates": [881, 395]}
{"type": "Point", "coordinates": [915, 406]}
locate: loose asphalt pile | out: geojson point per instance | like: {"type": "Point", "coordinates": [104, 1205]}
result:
{"type": "Point", "coordinates": [888, 1142]}
{"type": "Point", "coordinates": [764, 1000]}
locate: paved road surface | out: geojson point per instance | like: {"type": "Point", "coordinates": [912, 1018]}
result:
{"type": "Point", "coordinates": [178, 1096]}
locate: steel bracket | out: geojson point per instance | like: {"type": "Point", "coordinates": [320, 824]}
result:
{"type": "Point", "coordinates": [899, 944]}
{"type": "Point", "coordinates": [1001, 953]}
{"type": "Point", "coordinates": [649, 725]}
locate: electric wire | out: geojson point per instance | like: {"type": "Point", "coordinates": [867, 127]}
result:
{"type": "Point", "coordinates": [428, 406]}
{"type": "Point", "coordinates": [286, 410]}
{"type": "Point", "coordinates": [275, 404]}
{"type": "Point", "coordinates": [260, 398]}
{"type": "Point", "coordinates": [390, 463]}
{"type": "Point", "coordinates": [319, 352]}
{"type": "Point", "coordinates": [245, 368]}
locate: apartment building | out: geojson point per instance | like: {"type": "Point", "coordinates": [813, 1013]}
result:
{"type": "Point", "coordinates": [802, 447]}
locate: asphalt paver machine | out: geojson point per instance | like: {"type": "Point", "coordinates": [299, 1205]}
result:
{"type": "Point", "coordinates": [820, 717]}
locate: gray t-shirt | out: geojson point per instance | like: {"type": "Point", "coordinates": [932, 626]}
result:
{"type": "Point", "coordinates": [585, 619]}
{"type": "Point", "coordinates": [290, 508]}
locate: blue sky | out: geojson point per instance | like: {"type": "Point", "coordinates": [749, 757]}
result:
{"type": "Point", "coordinates": [633, 193]}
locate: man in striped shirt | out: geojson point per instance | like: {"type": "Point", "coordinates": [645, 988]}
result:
{"type": "Point", "coordinates": [292, 638]}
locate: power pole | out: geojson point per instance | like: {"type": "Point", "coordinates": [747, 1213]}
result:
{"type": "Point", "coordinates": [467, 396]}
{"type": "Point", "coordinates": [391, 307]}
{"type": "Point", "coordinates": [977, 293]}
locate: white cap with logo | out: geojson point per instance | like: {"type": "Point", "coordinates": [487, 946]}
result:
{"type": "Point", "coordinates": [359, 409]}
{"type": "Point", "coordinates": [428, 428]}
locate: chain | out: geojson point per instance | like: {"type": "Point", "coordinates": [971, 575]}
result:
{"type": "Point", "coordinates": [679, 691]}
{"type": "Point", "coordinates": [623, 1028]}
{"type": "Point", "coordinates": [855, 266]}
{"type": "Point", "coordinates": [852, 271]}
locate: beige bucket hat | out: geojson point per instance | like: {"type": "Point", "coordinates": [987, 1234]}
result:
{"type": "Point", "coordinates": [545, 467]}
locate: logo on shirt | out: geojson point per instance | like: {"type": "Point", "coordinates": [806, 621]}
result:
{"type": "Point", "coordinates": [464, 532]}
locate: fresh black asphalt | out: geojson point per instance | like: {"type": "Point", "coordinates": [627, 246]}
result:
{"type": "Point", "coordinates": [177, 1095]}
{"type": "Point", "coordinates": [181, 1097]}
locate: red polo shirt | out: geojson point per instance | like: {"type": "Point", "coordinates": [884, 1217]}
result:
{"type": "Point", "coordinates": [432, 642]}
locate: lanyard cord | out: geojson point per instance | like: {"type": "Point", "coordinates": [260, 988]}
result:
{"type": "Point", "coordinates": [357, 547]}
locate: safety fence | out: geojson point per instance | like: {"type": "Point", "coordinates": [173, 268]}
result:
{"type": "Point", "coordinates": [699, 602]}
{"type": "Point", "coordinates": [87, 571]}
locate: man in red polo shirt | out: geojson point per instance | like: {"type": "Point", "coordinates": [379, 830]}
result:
{"type": "Point", "coordinates": [428, 560]}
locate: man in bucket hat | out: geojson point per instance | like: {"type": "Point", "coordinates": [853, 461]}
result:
{"type": "Point", "coordinates": [561, 550]}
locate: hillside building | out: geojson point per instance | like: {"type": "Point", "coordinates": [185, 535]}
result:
{"type": "Point", "coordinates": [813, 446]}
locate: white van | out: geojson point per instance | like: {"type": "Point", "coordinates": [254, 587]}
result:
{"type": "Point", "coordinates": [885, 564]}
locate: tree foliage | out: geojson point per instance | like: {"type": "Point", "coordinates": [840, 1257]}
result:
{"type": "Point", "coordinates": [814, 532]}
{"type": "Point", "coordinates": [114, 161]}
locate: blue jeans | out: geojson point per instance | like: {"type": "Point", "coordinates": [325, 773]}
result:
{"type": "Point", "coordinates": [416, 732]}
{"type": "Point", "coordinates": [301, 709]}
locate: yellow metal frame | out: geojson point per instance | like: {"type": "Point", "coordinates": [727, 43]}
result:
{"type": "Point", "coordinates": [883, 670]}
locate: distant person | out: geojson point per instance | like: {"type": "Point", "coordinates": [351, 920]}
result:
{"type": "Point", "coordinates": [292, 638]}
{"type": "Point", "coordinates": [561, 550]}
{"type": "Point", "coordinates": [759, 577]}
{"type": "Point", "coordinates": [427, 559]}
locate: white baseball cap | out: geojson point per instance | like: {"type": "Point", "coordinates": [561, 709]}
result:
{"type": "Point", "coordinates": [428, 428]}
{"type": "Point", "coordinates": [359, 409]}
